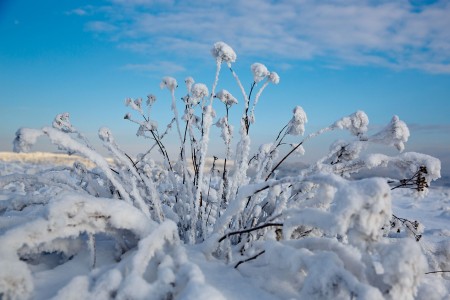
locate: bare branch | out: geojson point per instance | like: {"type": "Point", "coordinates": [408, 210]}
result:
{"type": "Point", "coordinates": [249, 259]}
{"type": "Point", "coordinates": [249, 230]}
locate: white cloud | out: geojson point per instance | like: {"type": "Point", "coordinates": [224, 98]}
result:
{"type": "Point", "coordinates": [160, 66]}
{"type": "Point", "coordinates": [393, 34]}
{"type": "Point", "coordinates": [430, 128]}
{"type": "Point", "coordinates": [100, 27]}
{"type": "Point", "coordinates": [78, 12]}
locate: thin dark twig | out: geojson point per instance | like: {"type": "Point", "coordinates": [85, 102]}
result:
{"type": "Point", "coordinates": [279, 134]}
{"type": "Point", "coordinates": [162, 148]}
{"type": "Point", "coordinates": [249, 230]}
{"type": "Point", "coordinates": [134, 163]}
{"type": "Point", "coordinates": [416, 182]}
{"type": "Point", "coordinates": [282, 160]}
{"type": "Point", "coordinates": [249, 259]}
{"type": "Point", "coordinates": [414, 224]}
{"type": "Point", "coordinates": [246, 121]}
{"type": "Point", "coordinates": [256, 192]}
{"type": "Point", "coordinates": [432, 272]}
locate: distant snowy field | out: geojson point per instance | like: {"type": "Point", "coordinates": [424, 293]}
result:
{"type": "Point", "coordinates": [55, 275]}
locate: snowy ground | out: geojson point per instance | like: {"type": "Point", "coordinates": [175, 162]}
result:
{"type": "Point", "coordinates": [56, 275]}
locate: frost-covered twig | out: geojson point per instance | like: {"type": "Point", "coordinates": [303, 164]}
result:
{"type": "Point", "coordinates": [250, 258]}
{"type": "Point", "coordinates": [417, 181]}
{"type": "Point", "coordinates": [249, 230]}
{"type": "Point", "coordinates": [435, 272]}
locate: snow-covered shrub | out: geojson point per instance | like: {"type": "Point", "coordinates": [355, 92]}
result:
{"type": "Point", "coordinates": [327, 233]}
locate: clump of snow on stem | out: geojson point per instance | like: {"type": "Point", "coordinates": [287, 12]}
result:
{"type": "Point", "coordinates": [189, 81]}
{"type": "Point", "coordinates": [151, 99]}
{"type": "Point", "coordinates": [105, 135]}
{"type": "Point", "coordinates": [259, 72]}
{"type": "Point", "coordinates": [396, 133]}
{"type": "Point", "coordinates": [62, 122]}
{"type": "Point", "coordinates": [298, 121]}
{"type": "Point", "coordinates": [134, 104]}
{"type": "Point", "coordinates": [227, 129]}
{"type": "Point", "coordinates": [299, 150]}
{"type": "Point", "coordinates": [25, 138]}
{"type": "Point", "coordinates": [226, 97]}
{"type": "Point", "coordinates": [199, 91]}
{"type": "Point", "coordinates": [356, 123]}
{"type": "Point", "coordinates": [360, 209]}
{"type": "Point", "coordinates": [403, 268]}
{"type": "Point", "coordinates": [274, 77]}
{"type": "Point", "coordinates": [169, 82]}
{"type": "Point", "coordinates": [223, 52]}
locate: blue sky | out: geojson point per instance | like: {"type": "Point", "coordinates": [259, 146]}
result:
{"type": "Point", "coordinates": [334, 57]}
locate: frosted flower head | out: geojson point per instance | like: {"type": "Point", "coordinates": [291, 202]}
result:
{"type": "Point", "coordinates": [199, 91]}
{"type": "Point", "coordinates": [25, 138]}
{"type": "Point", "coordinates": [344, 151]}
{"type": "Point", "coordinates": [134, 104]}
{"type": "Point", "coordinates": [138, 103]}
{"type": "Point", "coordinates": [222, 122]}
{"type": "Point", "coordinates": [169, 82]}
{"type": "Point", "coordinates": [396, 133]}
{"type": "Point", "coordinates": [151, 125]}
{"type": "Point", "coordinates": [274, 77]}
{"type": "Point", "coordinates": [356, 123]}
{"type": "Point", "coordinates": [298, 121]}
{"type": "Point", "coordinates": [208, 110]}
{"type": "Point", "coordinates": [265, 149]}
{"type": "Point", "coordinates": [226, 97]}
{"type": "Point", "coordinates": [105, 135]}
{"type": "Point", "coordinates": [222, 52]}
{"type": "Point", "coordinates": [151, 99]}
{"type": "Point", "coordinates": [62, 122]}
{"type": "Point", "coordinates": [299, 150]}
{"type": "Point", "coordinates": [399, 133]}
{"type": "Point", "coordinates": [189, 82]}
{"type": "Point", "coordinates": [259, 72]}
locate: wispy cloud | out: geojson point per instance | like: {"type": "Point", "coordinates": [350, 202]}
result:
{"type": "Point", "coordinates": [430, 128]}
{"type": "Point", "coordinates": [161, 66]}
{"type": "Point", "coordinates": [392, 34]}
{"type": "Point", "coordinates": [77, 11]}
{"type": "Point", "coordinates": [100, 27]}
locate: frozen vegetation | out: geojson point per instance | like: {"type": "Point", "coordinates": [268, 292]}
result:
{"type": "Point", "coordinates": [242, 226]}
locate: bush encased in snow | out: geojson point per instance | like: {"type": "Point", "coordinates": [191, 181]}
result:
{"type": "Point", "coordinates": [319, 229]}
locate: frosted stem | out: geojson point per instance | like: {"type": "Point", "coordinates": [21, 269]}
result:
{"type": "Point", "coordinates": [244, 94]}
{"type": "Point", "coordinates": [203, 149]}
{"type": "Point", "coordinates": [92, 250]}
{"type": "Point", "coordinates": [296, 147]}
{"type": "Point", "coordinates": [257, 97]}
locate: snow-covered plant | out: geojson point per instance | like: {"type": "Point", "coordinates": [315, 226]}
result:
{"type": "Point", "coordinates": [328, 234]}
